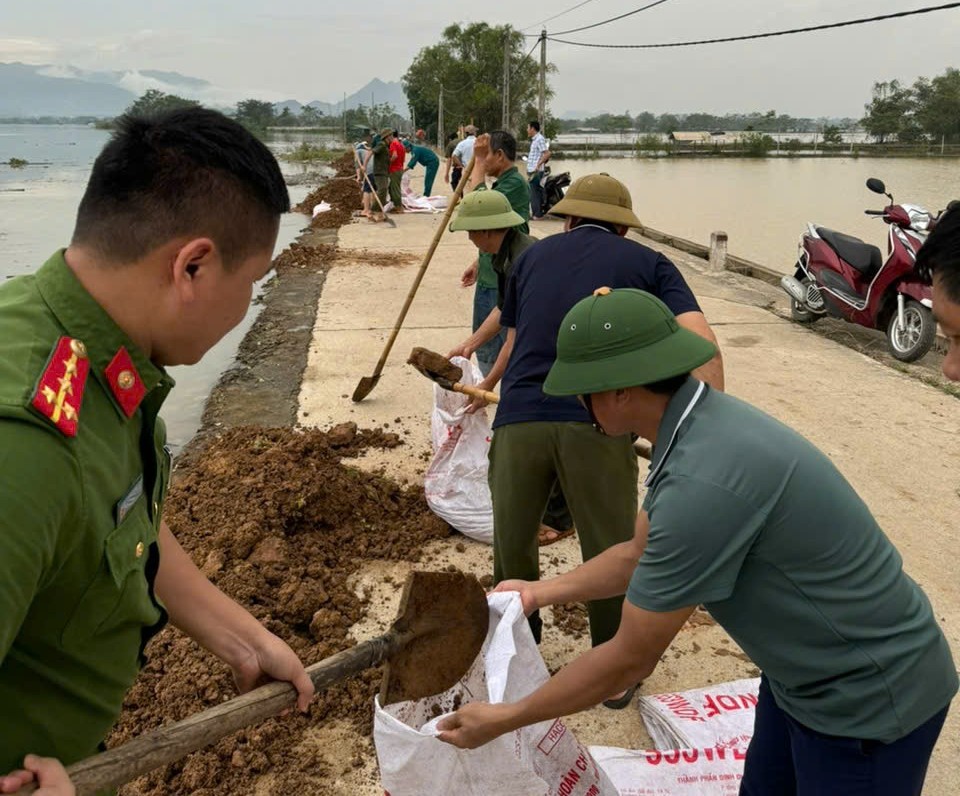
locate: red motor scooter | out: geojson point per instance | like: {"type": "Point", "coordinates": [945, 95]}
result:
{"type": "Point", "coordinates": [843, 276]}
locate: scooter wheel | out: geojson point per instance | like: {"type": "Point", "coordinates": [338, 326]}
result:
{"type": "Point", "coordinates": [914, 339]}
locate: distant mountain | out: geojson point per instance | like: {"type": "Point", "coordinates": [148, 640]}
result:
{"type": "Point", "coordinates": [28, 90]}
{"type": "Point", "coordinates": [376, 92]}
{"type": "Point", "coordinates": [50, 90]}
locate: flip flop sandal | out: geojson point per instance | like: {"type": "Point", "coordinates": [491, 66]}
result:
{"type": "Point", "coordinates": [621, 702]}
{"type": "Point", "coordinates": [543, 540]}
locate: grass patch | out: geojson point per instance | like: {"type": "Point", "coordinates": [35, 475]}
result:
{"type": "Point", "coordinates": [309, 153]}
{"type": "Point", "coordinates": [17, 163]}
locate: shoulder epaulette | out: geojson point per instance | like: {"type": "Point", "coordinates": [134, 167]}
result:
{"type": "Point", "coordinates": [59, 391]}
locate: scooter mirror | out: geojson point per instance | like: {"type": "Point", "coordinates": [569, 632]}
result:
{"type": "Point", "coordinates": [876, 185]}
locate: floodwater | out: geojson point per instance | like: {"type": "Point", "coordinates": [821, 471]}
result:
{"type": "Point", "coordinates": [38, 205]}
{"type": "Point", "coordinates": [764, 204]}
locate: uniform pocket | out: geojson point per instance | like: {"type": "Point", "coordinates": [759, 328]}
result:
{"type": "Point", "coordinates": [118, 597]}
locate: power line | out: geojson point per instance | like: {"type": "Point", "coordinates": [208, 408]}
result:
{"type": "Point", "coordinates": [555, 16]}
{"type": "Point", "coordinates": [516, 69]}
{"type": "Point", "coordinates": [810, 29]}
{"type": "Point", "coordinates": [612, 19]}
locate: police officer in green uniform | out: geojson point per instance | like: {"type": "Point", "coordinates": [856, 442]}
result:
{"type": "Point", "coordinates": [178, 221]}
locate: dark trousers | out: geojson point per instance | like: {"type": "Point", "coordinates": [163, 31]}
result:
{"type": "Point", "coordinates": [788, 759]}
{"type": "Point", "coordinates": [455, 174]}
{"type": "Point", "coordinates": [598, 476]}
{"type": "Point", "coordinates": [536, 194]}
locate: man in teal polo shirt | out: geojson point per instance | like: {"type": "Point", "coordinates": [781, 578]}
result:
{"type": "Point", "coordinates": [178, 221]}
{"type": "Point", "coordinates": [494, 156]}
{"type": "Point", "coordinates": [746, 517]}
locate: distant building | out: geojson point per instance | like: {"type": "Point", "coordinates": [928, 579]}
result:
{"type": "Point", "coordinates": [696, 137]}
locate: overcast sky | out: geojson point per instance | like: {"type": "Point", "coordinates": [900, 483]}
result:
{"type": "Point", "coordinates": [318, 49]}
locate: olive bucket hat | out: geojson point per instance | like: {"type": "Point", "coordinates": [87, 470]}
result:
{"type": "Point", "coordinates": [622, 338]}
{"type": "Point", "coordinates": [599, 197]}
{"type": "Point", "coordinates": [485, 210]}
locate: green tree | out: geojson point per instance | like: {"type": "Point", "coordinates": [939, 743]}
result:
{"type": "Point", "coordinates": [832, 134]}
{"type": "Point", "coordinates": [154, 101]}
{"type": "Point", "coordinates": [469, 63]}
{"type": "Point", "coordinates": [668, 123]}
{"type": "Point", "coordinates": [310, 116]}
{"type": "Point", "coordinates": [938, 105]}
{"type": "Point", "coordinates": [892, 104]}
{"type": "Point", "coordinates": [645, 122]}
{"type": "Point", "coordinates": [256, 115]}
{"type": "Point", "coordinates": [287, 118]}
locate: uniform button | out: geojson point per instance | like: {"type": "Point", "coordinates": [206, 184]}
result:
{"type": "Point", "coordinates": [126, 379]}
{"type": "Point", "coordinates": [156, 508]}
{"type": "Point", "coordinates": [139, 550]}
{"type": "Point", "coordinates": [79, 349]}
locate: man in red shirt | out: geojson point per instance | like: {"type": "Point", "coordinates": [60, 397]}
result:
{"type": "Point", "coordinates": [397, 156]}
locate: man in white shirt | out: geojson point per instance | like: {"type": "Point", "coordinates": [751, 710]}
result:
{"type": "Point", "coordinates": [536, 159]}
{"type": "Point", "coordinates": [464, 150]}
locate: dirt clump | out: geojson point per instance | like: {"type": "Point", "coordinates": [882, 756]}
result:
{"type": "Point", "coordinates": [571, 618]}
{"type": "Point", "coordinates": [316, 257]}
{"type": "Point", "coordinates": [277, 521]}
{"type": "Point", "coordinates": [342, 193]}
{"type": "Point", "coordinates": [432, 364]}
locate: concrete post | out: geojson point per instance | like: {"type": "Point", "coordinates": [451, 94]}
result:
{"type": "Point", "coordinates": [718, 252]}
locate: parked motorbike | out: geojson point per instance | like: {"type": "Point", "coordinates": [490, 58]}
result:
{"type": "Point", "coordinates": [844, 277]}
{"type": "Point", "coordinates": [553, 188]}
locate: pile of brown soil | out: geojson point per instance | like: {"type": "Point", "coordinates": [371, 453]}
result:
{"type": "Point", "coordinates": [278, 522]}
{"type": "Point", "coordinates": [342, 193]}
{"type": "Point", "coordinates": [345, 165]}
{"type": "Point", "coordinates": [316, 257]}
{"type": "Point", "coordinates": [571, 618]}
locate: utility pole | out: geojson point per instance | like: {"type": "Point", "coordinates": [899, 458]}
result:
{"type": "Point", "coordinates": [506, 81]}
{"type": "Point", "coordinates": [440, 120]}
{"type": "Point", "coordinates": [543, 77]}
{"type": "Point", "coordinates": [344, 114]}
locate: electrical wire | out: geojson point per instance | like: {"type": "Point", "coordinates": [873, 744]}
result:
{"type": "Point", "coordinates": [612, 19]}
{"type": "Point", "coordinates": [516, 69]}
{"type": "Point", "coordinates": [812, 28]}
{"type": "Point", "coordinates": [556, 16]}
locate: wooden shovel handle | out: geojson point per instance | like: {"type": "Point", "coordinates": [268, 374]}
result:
{"type": "Point", "coordinates": [466, 389]}
{"type": "Point", "coordinates": [167, 744]}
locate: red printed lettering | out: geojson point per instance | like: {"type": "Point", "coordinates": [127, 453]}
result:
{"type": "Point", "coordinates": [672, 757]}
{"type": "Point", "coordinates": [691, 755]}
{"type": "Point", "coordinates": [654, 758]}
{"type": "Point", "coordinates": [710, 707]}
{"type": "Point", "coordinates": [749, 700]}
{"type": "Point", "coordinates": [728, 703]}
{"type": "Point", "coordinates": [552, 738]}
{"type": "Point", "coordinates": [581, 762]}
{"type": "Point", "coordinates": [568, 783]}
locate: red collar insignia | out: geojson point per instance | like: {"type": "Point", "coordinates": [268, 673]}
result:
{"type": "Point", "coordinates": [60, 389]}
{"type": "Point", "coordinates": [125, 382]}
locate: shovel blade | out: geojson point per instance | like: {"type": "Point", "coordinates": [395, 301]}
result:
{"type": "Point", "coordinates": [445, 617]}
{"type": "Point", "coordinates": [365, 387]}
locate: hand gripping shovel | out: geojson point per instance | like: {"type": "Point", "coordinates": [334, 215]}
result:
{"type": "Point", "coordinates": [437, 636]}
{"type": "Point", "coordinates": [367, 383]}
{"type": "Point", "coordinates": [443, 372]}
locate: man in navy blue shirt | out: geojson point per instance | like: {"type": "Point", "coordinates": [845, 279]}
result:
{"type": "Point", "coordinates": [539, 439]}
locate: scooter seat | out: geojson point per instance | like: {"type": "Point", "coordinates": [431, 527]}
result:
{"type": "Point", "coordinates": [865, 257]}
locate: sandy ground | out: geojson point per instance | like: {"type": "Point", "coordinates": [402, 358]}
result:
{"type": "Point", "coordinates": [894, 438]}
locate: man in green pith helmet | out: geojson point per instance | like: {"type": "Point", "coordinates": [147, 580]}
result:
{"type": "Point", "coordinates": [857, 675]}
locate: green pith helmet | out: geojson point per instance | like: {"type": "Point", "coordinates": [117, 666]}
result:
{"type": "Point", "coordinates": [599, 197]}
{"type": "Point", "coordinates": [622, 338]}
{"type": "Point", "coordinates": [485, 210]}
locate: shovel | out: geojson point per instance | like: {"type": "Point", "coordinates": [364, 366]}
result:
{"type": "Point", "coordinates": [367, 383]}
{"type": "Point", "coordinates": [442, 371]}
{"type": "Point", "coordinates": [437, 636]}
{"type": "Point", "coordinates": [376, 196]}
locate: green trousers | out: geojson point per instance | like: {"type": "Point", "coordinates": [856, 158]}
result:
{"type": "Point", "coordinates": [395, 194]}
{"type": "Point", "coordinates": [598, 476]}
